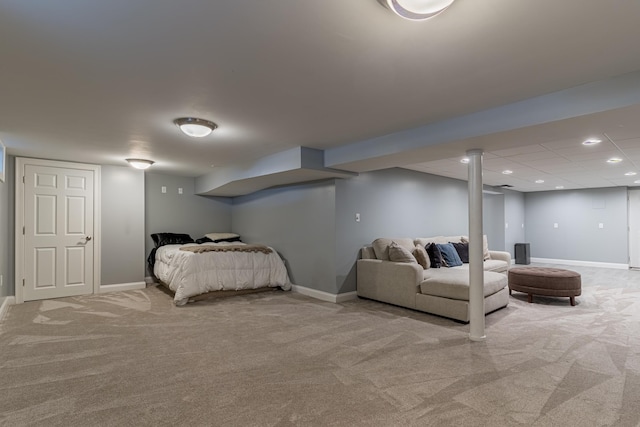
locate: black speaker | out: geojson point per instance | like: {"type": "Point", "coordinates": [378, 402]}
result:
{"type": "Point", "coordinates": [522, 253]}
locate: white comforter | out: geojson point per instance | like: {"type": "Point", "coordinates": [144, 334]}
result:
{"type": "Point", "coordinates": [189, 274]}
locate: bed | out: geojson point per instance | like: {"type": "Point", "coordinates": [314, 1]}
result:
{"type": "Point", "coordinates": [218, 265]}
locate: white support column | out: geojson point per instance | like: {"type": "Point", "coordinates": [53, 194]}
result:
{"type": "Point", "coordinates": [476, 271]}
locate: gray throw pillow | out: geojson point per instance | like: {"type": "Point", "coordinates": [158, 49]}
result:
{"type": "Point", "coordinates": [420, 254]}
{"type": "Point", "coordinates": [399, 254]}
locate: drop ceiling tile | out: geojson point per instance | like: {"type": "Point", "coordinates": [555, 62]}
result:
{"type": "Point", "coordinates": [568, 143]}
{"type": "Point", "coordinates": [587, 153]}
{"type": "Point", "coordinates": [622, 133]}
{"type": "Point", "coordinates": [532, 157]}
{"type": "Point", "coordinates": [628, 143]}
{"type": "Point", "coordinates": [499, 164]}
{"type": "Point", "coordinates": [515, 151]}
{"type": "Point", "coordinates": [623, 182]}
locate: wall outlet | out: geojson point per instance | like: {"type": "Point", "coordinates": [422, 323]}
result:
{"type": "Point", "coordinates": [600, 225]}
{"type": "Point", "coordinates": [163, 189]}
{"type": "Point", "coordinates": [179, 190]}
{"type": "Point", "coordinates": [506, 225]}
{"type": "Point", "coordinates": [357, 217]}
{"type": "Point", "coordinates": [555, 225]}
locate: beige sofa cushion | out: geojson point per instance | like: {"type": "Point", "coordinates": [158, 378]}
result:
{"type": "Point", "coordinates": [488, 265]}
{"type": "Point", "coordinates": [455, 284]}
{"type": "Point", "coordinates": [381, 246]}
{"type": "Point", "coordinates": [399, 254]}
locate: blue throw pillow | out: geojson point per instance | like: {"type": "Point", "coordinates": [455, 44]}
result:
{"type": "Point", "coordinates": [449, 254]}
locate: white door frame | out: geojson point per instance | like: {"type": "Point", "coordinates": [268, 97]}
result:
{"type": "Point", "coordinates": [21, 162]}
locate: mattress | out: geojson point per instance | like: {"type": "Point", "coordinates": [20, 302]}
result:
{"type": "Point", "coordinates": [189, 274]}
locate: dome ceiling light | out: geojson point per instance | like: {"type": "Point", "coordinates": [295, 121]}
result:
{"type": "Point", "coordinates": [417, 10]}
{"type": "Point", "coordinates": [195, 128]}
{"type": "Point", "coordinates": [140, 163]}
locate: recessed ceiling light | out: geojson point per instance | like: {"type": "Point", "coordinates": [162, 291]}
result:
{"type": "Point", "coordinates": [614, 160]}
{"type": "Point", "coordinates": [507, 172]}
{"type": "Point", "coordinates": [465, 160]}
{"type": "Point", "coordinates": [196, 128]}
{"type": "Point", "coordinates": [631, 173]}
{"type": "Point", "coordinates": [592, 141]}
{"type": "Point", "coordinates": [539, 181]}
{"type": "Point", "coordinates": [637, 181]}
{"type": "Point", "coordinates": [559, 187]}
{"type": "Point", "coordinates": [140, 163]}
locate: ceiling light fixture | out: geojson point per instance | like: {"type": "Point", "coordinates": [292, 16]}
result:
{"type": "Point", "coordinates": [196, 128]}
{"type": "Point", "coordinates": [631, 173]}
{"type": "Point", "coordinates": [592, 141]}
{"type": "Point", "coordinates": [507, 172]}
{"type": "Point", "coordinates": [614, 160]}
{"type": "Point", "coordinates": [559, 187]}
{"type": "Point", "coordinates": [539, 181]}
{"type": "Point", "coordinates": [465, 160]}
{"type": "Point", "coordinates": [140, 163]}
{"type": "Point", "coordinates": [637, 181]}
{"type": "Point", "coordinates": [417, 10]}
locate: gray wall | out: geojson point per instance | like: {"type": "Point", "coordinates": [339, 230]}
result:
{"type": "Point", "coordinates": [298, 222]}
{"type": "Point", "coordinates": [6, 230]}
{"type": "Point", "coordinates": [578, 213]}
{"type": "Point", "coordinates": [493, 216]}
{"type": "Point", "coordinates": [394, 203]}
{"type": "Point", "coordinates": [122, 225]}
{"type": "Point", "coordinates": [181, 213]}
{"type": "Point", "coordinates": [514, 215]}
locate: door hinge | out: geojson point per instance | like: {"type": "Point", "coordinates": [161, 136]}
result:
{"type": "Point", "coordinates": [23, 230]}
{"type": "Point", "coordinates": [23, 179]}
{"type": "Point", "coordinates": [23, 282]}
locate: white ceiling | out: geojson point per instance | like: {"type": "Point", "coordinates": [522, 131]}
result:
{"type": "Point", "coordinates": [99, 82]}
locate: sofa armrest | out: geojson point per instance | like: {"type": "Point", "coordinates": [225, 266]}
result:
{"type": "Point", "coordinates": [502, 256]}
{"type": "Point", "coordinates": [392, 282]}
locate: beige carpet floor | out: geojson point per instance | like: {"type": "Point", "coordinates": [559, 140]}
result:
{"type": "Point", "coordinates": [283, 359]}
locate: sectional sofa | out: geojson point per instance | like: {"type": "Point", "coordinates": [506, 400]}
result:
{"type": "Point", "coordinates": [442, 291]}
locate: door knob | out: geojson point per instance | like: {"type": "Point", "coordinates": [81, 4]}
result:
{"type": "Point", "coordinates": [88, 238]}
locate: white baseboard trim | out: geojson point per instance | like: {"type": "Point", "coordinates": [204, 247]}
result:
{"type": "Point", "coordinates": [5, 306]}
{"type": "Point", "coordinates": [346, 296]}
{"type": "Point", "coordinates": [122, 287]}
{"type": "Point", "coordinates": [324, 296]}
{"type": "Point", "coordinates": [581, 263]}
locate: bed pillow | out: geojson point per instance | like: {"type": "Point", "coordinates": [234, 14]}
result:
{"type": "Point", "coordinates": [161, 239]}
{"type": "Point", "coordinates": [205, 239]}
{"type": "Point", "coordinates": [399, 254]}
{"type": "Point", "coordinates": [463, 251]}
{"type": "Point", "coordinates": [223, 237]}
{"type": "Point", "coordinates": [449, 254]}
{"type": "Point", "coordinates": [435, 257]}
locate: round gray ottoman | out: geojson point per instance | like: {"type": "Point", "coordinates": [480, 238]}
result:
{"type": "Point", "coordinates": [553, 282]}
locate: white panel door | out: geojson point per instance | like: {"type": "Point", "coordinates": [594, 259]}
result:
{"type": "Point", "coordinates": [634, 228]}
{"type": "Point", "coordinates": [59, 225]}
